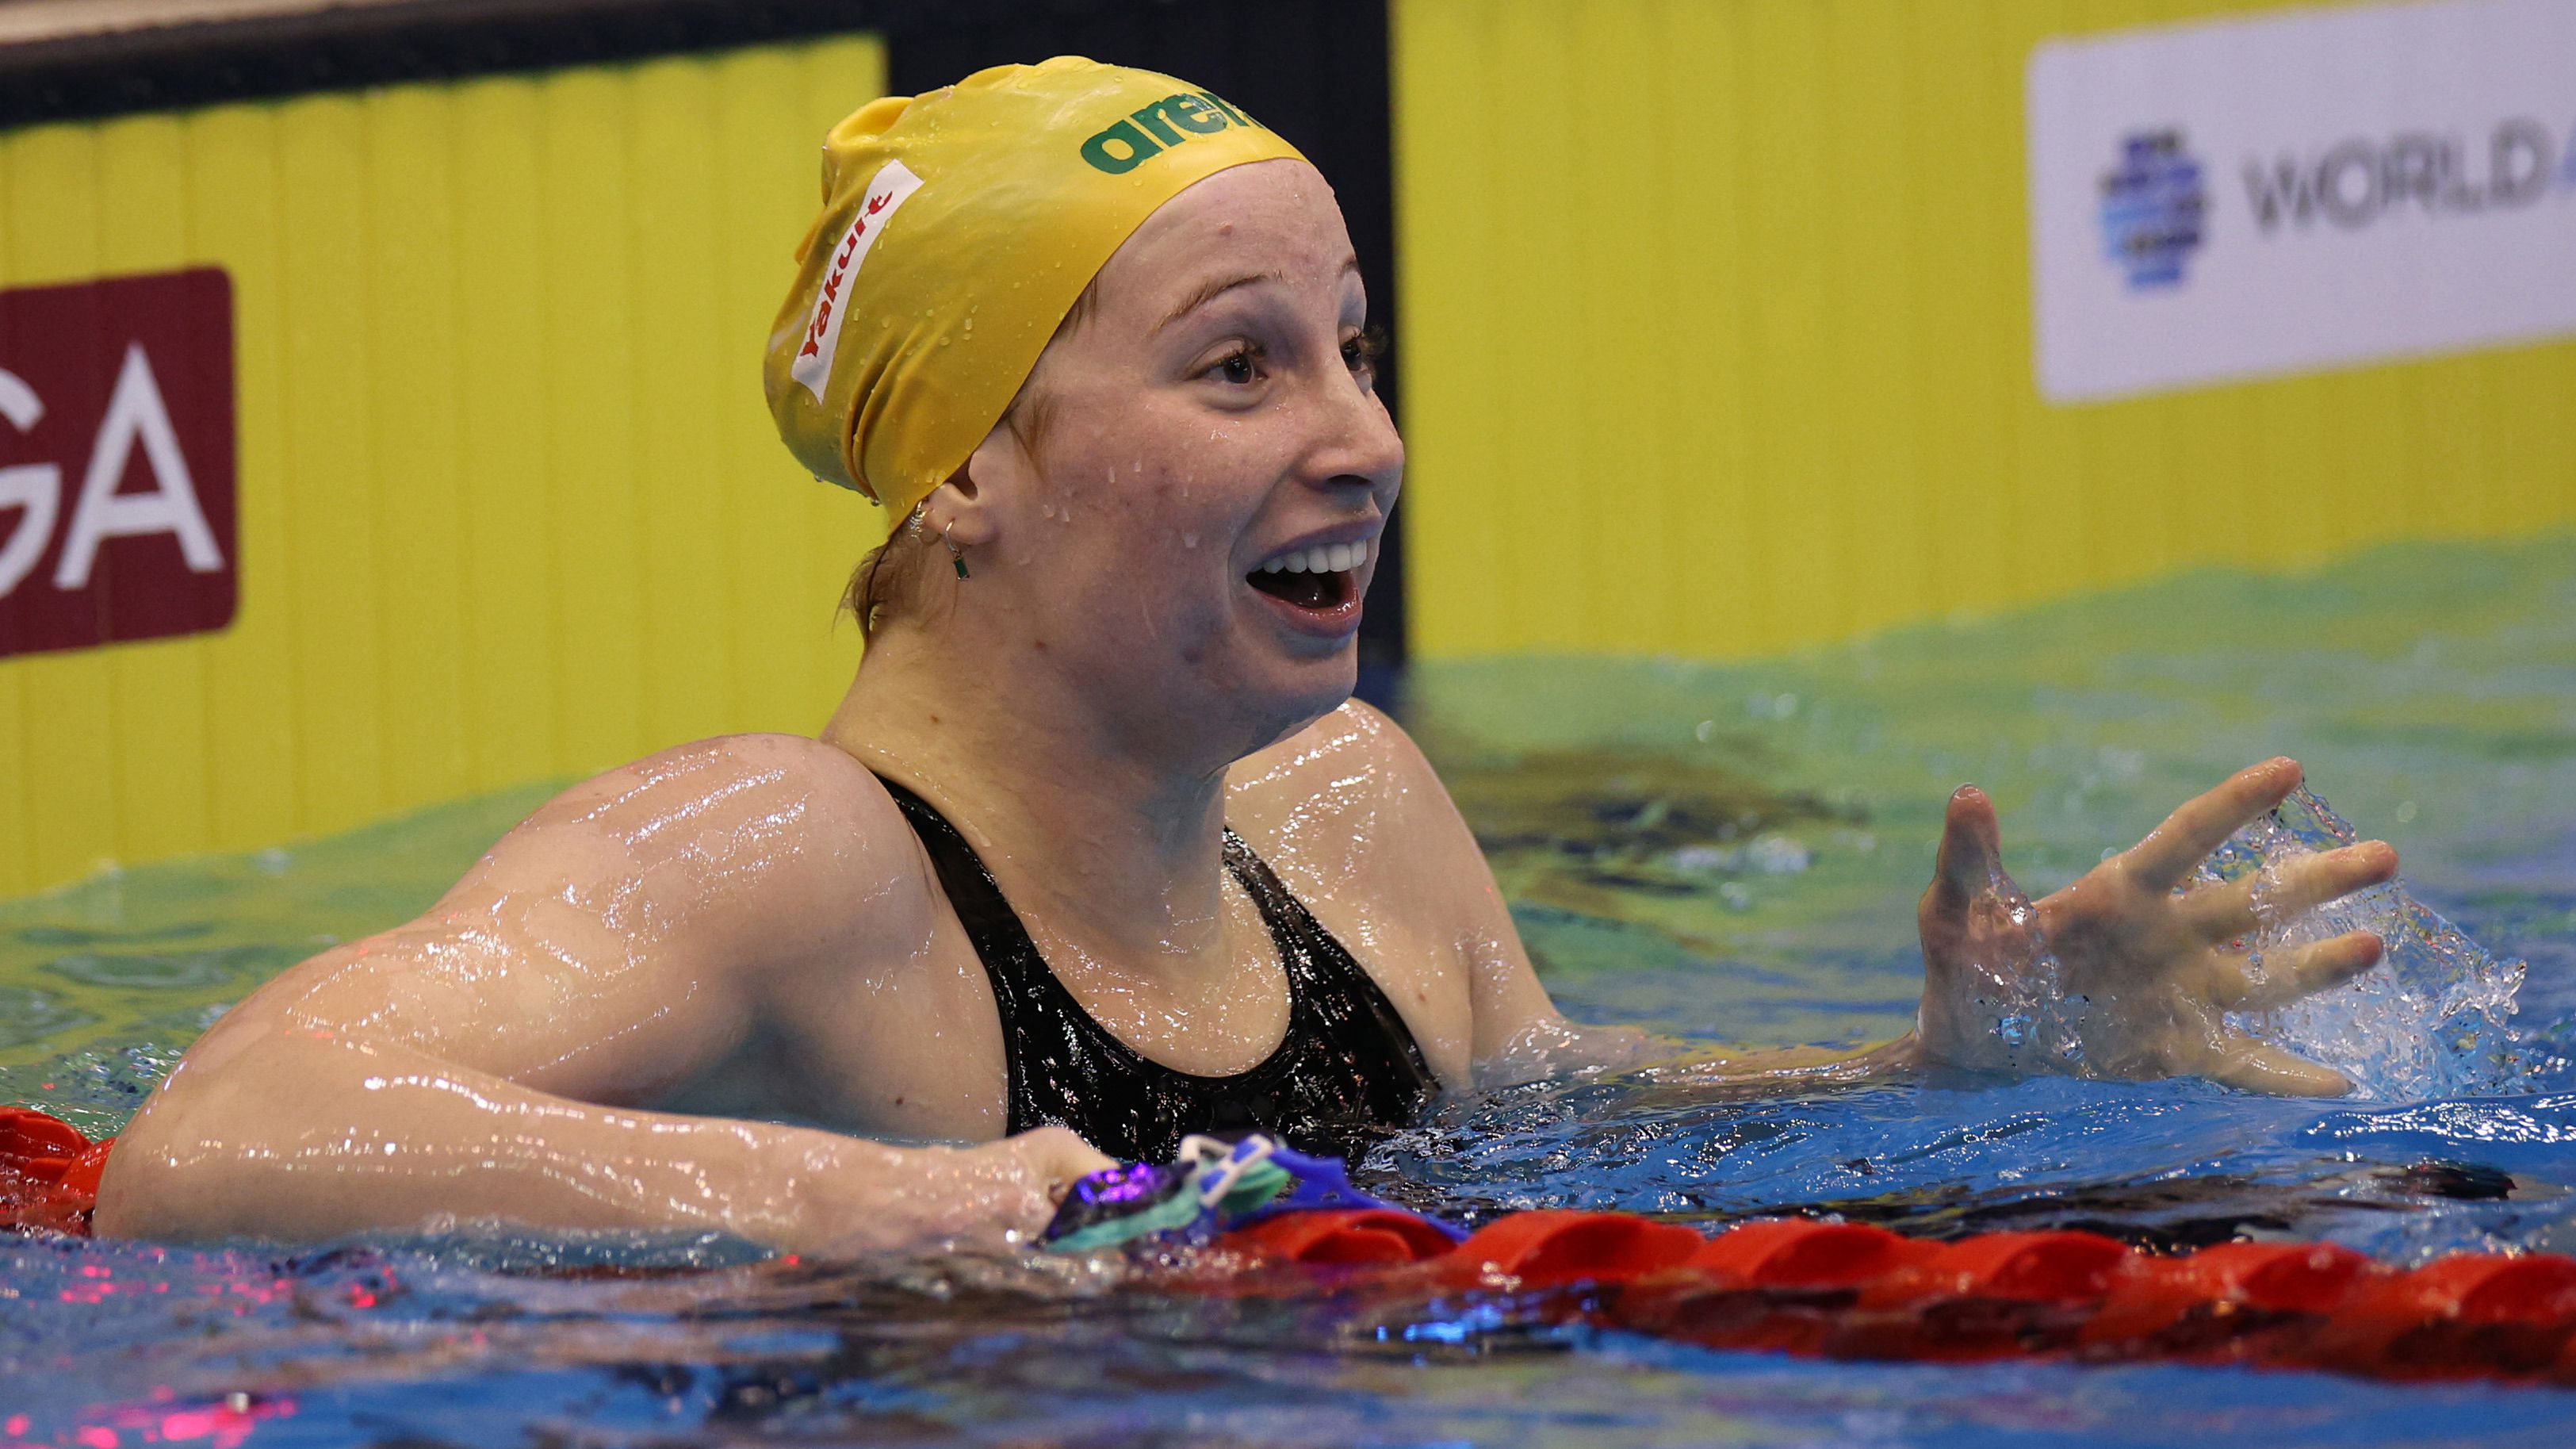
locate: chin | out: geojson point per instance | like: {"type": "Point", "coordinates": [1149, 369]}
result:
{"type": "Point", "coordinates": [1275, 697]}
{"type": "Point", "coordinates": [1312, 690]}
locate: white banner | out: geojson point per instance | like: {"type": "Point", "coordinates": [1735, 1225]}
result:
{"type": "Point", "coordinates": [2310, 189]}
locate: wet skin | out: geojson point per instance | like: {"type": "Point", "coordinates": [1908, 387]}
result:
{"type": "Point", "coordinates": [580, 1033]}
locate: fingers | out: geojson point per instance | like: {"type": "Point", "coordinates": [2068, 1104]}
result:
{"type": "Point", "coordinates": [1971, 851]}
{"type": "Point", "coordinates": [2219, 912]}
{"type": "Point", "coordinates": [2203, 824]}
{"type": "Point", "coordinates": [2257, 1066]}
{"type": "Point", "coordinates": [1057, 1158]}
{"type": "Point", "coordinates": [2285, 976]}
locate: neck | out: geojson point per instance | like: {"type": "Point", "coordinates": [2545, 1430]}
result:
{"type": "Point", "coordinates": [1098, 840]}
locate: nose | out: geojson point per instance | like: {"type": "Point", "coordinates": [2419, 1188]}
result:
{"type": "Point", "coordinates": [1357, 445]}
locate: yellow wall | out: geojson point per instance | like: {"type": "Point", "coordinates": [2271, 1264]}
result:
{"type": "Point", "coordinates": [510, 504]}
{"type": "Point", "coordinates": [1717, 340]}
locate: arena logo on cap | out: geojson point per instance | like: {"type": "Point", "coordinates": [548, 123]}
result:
{"type": "Point", "coordinates": [885, 195]}
{"type": "Point", "coordinates": [1171, 121]}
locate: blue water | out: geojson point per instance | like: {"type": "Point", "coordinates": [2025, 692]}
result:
{"type": "Point", "coordinates": [1726, 853]}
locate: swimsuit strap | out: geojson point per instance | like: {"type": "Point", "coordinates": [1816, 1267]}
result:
{"type": "Point", "coordinates": [1347, 1071]}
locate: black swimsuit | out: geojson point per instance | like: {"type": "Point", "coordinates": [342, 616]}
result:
{"type": "Point", "coordinates": [1347, 1072]}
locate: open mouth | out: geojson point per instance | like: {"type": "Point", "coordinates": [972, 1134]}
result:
{"type": "Point", "coordinates": [1319, 579]}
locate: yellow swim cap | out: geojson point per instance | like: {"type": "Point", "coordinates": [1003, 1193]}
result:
{"type": "Point", "coordinates": [958, 228]}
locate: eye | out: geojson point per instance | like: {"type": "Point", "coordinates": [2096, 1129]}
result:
{"type": "Point", "coordinates": [1240, 367]}
{"type": "Point", "coordinates": [1360, 350]}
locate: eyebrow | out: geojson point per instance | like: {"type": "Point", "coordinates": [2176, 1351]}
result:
{"type": "Point", "coordinates": [1214, 290]}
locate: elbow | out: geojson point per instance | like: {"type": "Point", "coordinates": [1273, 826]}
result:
{"type": "Point", "coordinates": [168, 1177]}
{"type": "Point", "coordinates": [201, 1160]}
{"type": "Point", "coordinates": [153, 1185]}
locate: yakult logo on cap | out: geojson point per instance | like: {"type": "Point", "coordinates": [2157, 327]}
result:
{"type": "Point", "coordinates": [885, 194]}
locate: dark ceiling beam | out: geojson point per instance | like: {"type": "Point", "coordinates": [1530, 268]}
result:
{"type": "Point", "coordinates": [194, 63]}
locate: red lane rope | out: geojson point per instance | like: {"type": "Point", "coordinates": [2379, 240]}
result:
{"type": "Point", "coordinates": [48, 1172]}
{"type": "Point", "coordinates": [1849, 1290]}
{"type": "Point", "coordinates": [1798, 1285]}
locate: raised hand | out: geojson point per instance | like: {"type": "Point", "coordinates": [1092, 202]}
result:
{"type": "Point", "coordinates": [2147, 962]}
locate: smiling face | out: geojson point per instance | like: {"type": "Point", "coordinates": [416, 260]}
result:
{"type": "Point", "coordinates": [1187, 513]}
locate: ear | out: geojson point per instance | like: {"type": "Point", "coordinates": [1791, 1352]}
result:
{"type": "Point", "coordinates": [978, 502]}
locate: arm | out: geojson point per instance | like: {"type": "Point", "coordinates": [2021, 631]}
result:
{"type": "Point", "coordinates": [2161, 965]}
{"type": "Point", "coordinates": [473, 1062]}
{"type": "Point", "coordinates": [1519, 1035]}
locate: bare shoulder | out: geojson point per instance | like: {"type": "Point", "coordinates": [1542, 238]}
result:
{"type": "Point", "coordinates": [766, 770]}
{"type": "Point", "coordinates": [1349, 792]}
{"type": "Point", "coordinates": [777, 827]}
{"type": "Point", "coordinates": [1351, 759]}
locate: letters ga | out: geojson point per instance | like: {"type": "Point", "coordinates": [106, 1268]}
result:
{"type": "Point", "coordinates": [117, 468]}
{"type": "Point", "coordinates": [136, 416]}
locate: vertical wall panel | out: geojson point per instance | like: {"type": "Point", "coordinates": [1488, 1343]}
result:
{"type": "Point", "coordinates": [681, 361]}
{"type": "Point", "coordinates": [1876, 163]}
{"type": "Point", "coordinates": [330, 495]}
{"type": "Point", "coordinates": [234, 211]}
{"type": "Point", "coordinates": [1696, 352]}
{"type": "Point", "coordinates": [69, 762]}
{"type": "Point", "coordinates": [1717, 320]}
{"type": "Point", "coordinates": [588, 245]}
{"type": "Point", "coordinates": [511, 507]}
{"type": "Point", "coordinates": [514, 596]}
{"type": "Point", "coordinates": [778, 608]}
{"type": "Point", "coordinates": [412, 211]}
{"type": "Point", "coordinates": [156, 690]}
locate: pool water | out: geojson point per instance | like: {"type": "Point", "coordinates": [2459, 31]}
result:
{"type": "Point", "coordinates": [1726, 853]}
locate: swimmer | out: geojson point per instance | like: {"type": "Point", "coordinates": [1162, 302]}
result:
{"type": "Point", "coordinates": [1097, 851]}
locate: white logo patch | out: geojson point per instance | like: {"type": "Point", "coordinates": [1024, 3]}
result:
{"type": "Point", "coordinates": [813, 365]}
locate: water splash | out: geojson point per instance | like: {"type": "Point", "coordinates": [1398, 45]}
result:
{"type": "Point", "coordinates": [2431, 1020]}
{"type": "Point", "coordinates": [2008, 1008]}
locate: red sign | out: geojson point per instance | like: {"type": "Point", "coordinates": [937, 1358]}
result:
{"type": "Point", "coordinates": [116, 461]}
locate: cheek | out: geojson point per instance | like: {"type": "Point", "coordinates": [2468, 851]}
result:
{"type": "Point", "coordinates": [1160, 506]}
{"type": "Point", "coordinates": [1191, 511]}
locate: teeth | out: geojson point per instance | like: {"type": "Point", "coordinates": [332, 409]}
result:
{"type": "Point", "coordinates": [1323, 558]}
